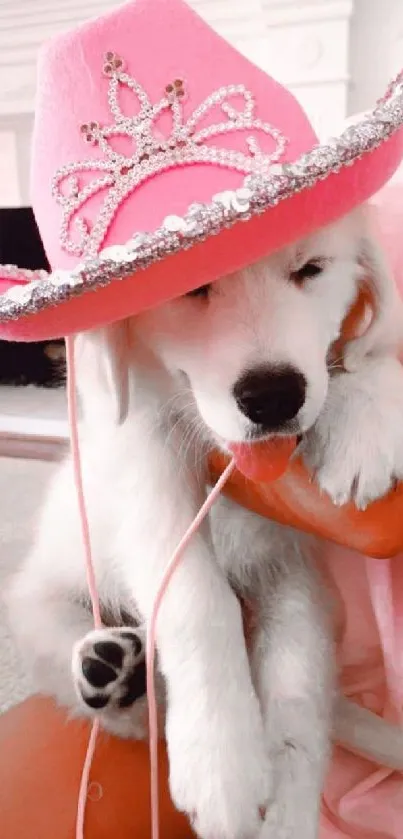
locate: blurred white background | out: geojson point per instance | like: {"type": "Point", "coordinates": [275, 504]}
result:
{"type": "Point", "coordinates": [336, 55]}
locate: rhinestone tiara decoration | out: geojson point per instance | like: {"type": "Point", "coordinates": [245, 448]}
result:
{"type": "Point", "coordinates": [151, 152]}
{"type": "Point", "coordinates": [37, 291]}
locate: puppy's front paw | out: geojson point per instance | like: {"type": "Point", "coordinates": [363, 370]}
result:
{"type": "Point", "coordinates": [219, 773]}
{"type": "Point", "coordinates": [355, 450]}
{"type": "Point", "coordinates": [109, 668]}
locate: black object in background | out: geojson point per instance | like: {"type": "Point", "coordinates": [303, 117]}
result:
{"type": "Point", "coordinates": [42, 363]}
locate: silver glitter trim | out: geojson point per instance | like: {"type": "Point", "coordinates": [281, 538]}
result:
{"type": "Point", "coordinates": [257, 194]}
{"type": "Point", "coordinates": [22, 275]}
{"type": "Point", "coordinates": [153, 153]}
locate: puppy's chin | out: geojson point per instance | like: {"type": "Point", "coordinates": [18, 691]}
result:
{"type": "Point", "coordinates": [253, 434]}
{"type": "Point", "coordinates": [251, 439]}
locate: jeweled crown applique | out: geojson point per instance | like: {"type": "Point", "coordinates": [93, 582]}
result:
{"type": "Point", "coordinates": [154, 151]}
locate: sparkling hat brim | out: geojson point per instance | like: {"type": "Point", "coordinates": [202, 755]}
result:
{"type": "Point", "coordinates": [37, 305]}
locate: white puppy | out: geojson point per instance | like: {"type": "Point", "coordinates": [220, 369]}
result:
{"type": "Point", "coordinates": [249, 357]}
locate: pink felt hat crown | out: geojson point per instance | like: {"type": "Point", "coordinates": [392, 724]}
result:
{"type": "Point", "coordinates": [163, 159]}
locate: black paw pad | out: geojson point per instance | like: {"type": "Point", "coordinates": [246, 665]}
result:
{"type": "Point", "coordinates": [135, 686]}
{"type": "Point", "coordinates": [110, 652]}
{"type": "Point", "coordinates": [97, 673]}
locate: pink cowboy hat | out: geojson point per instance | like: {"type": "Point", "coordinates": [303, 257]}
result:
{"type": "Point", "coordinates": [163, 159]}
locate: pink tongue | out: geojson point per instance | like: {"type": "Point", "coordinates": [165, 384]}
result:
{"type": "Point", "coordinates": [263, 462]}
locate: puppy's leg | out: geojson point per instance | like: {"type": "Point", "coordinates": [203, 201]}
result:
{"type": "Point", "coordinates": [293, 661]}
{"type": "Point", "coordinates": [48, 612]}
{"type": "Point", "coordinates": [214, 727]}
{"type": "Point", "coordinates": [49, 627]}
{"type": "Point", "coordinates": [46, 624]}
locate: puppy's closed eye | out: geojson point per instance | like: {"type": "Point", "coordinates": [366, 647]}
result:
{"type": "Point", "coordinates": [203, 292]}
{"type": "Point", "coordinates": [308, 271]}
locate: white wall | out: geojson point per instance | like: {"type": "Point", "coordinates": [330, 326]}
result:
{"type": "Point", "coordinates": [309, 45]}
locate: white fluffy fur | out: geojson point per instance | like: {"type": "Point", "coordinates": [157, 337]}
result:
{"type": "Point", "coordinates": [156, 392]}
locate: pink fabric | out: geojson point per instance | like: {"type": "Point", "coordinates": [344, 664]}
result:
{"type": "Point", "coordinates": [360, 800]}
{"type": "Point", "coordinates": [161, 40]}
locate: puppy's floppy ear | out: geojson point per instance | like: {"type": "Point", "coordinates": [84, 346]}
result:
{"type": "Point", "coordinates": [102, 371]}
{"type": "Point", "coordinates": [384, 333]}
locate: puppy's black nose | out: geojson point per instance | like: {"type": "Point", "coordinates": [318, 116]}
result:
{"type": "Point", "coordinates": [270, 397]}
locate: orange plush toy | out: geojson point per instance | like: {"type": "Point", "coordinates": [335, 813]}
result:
{"type": "Point", "coordinates": [295, 500]}
{"type": "Point", "coordinates": [42, 754]}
